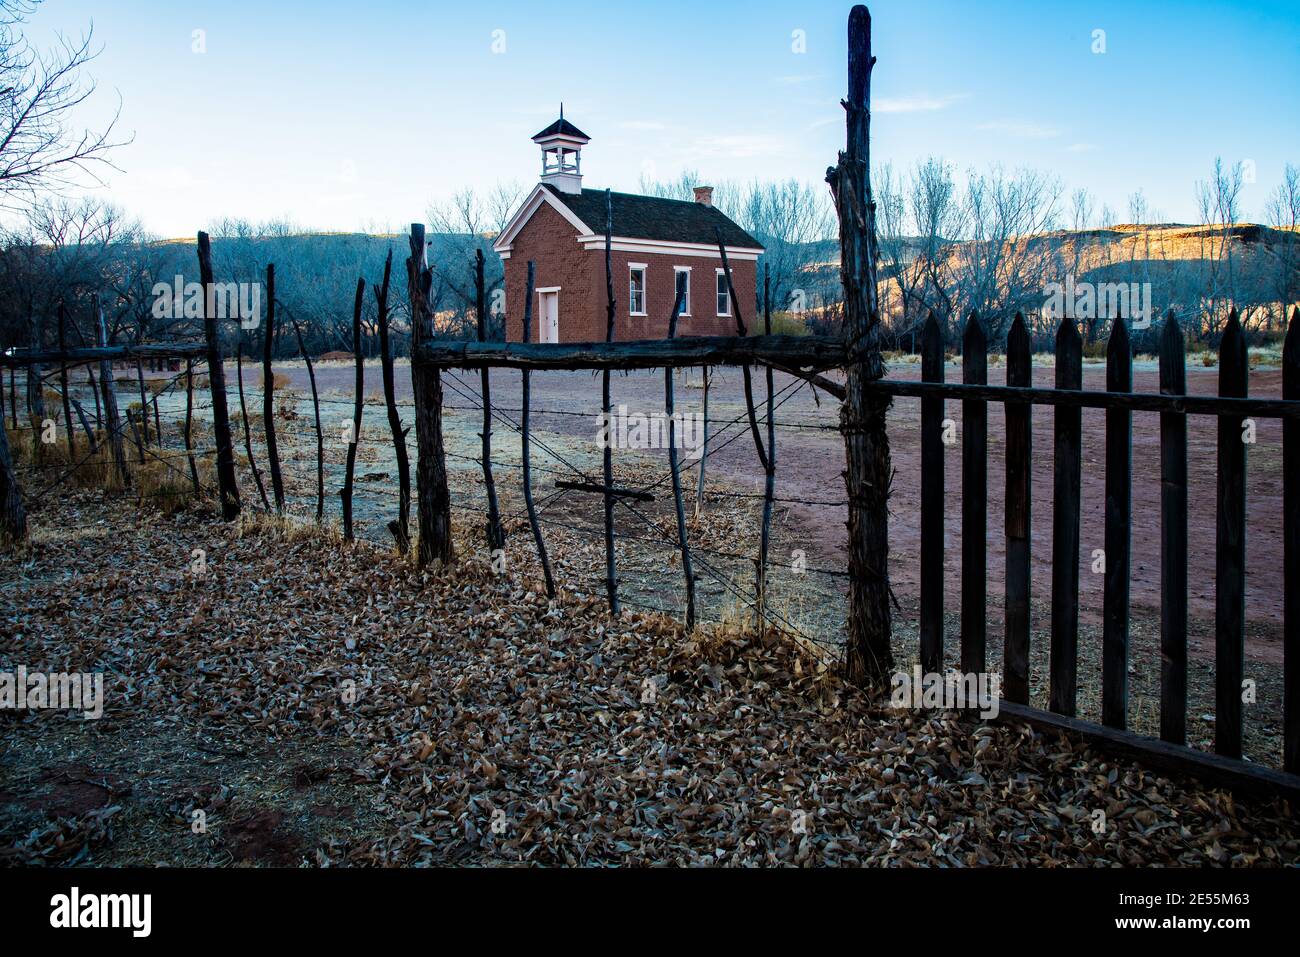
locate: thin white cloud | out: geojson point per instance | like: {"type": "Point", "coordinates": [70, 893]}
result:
{"type": "Point", "coordinates": [1081, 147]}
{"type": "Point", "coordinates": [796, 79]}
{"type": "Point", "coordinates": [918, 103]}
{"type": "Point", "coordinates": [1022, 130]}
{"type": "Point", "coordinates": [737, 146]}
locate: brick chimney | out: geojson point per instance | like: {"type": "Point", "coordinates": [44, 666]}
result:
{"type": "Point", "coordinates": [704, 195]}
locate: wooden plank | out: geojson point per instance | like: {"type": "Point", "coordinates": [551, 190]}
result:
{"type": "Point", "coordinates": [1230, 549]}
{"type": "Point", "coordinates": [1212, 769]}
{"type": "Point", "coordinates": [1173, 540]}
{"type": "Point", "coordinates": [1067, 465]}
{"type": "Point", "coordinates": [162, 350]}
{"type": "Point", "coordinates": [820, 352]}
{"type": "Point", "coordinates": [1291, 551]}
{"type": "Point", "coordinates": [1119, 514]}
{"type": "Point", "coordinates": [932, 492]}
{"type": "Point", "coordinates": [1020, 440]}
{"type": "Point", "coordinates": [227, 486]}
{"type": "Point", "coordinates": [974, 503]}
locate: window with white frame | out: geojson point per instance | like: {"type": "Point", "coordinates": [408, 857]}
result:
{"type": "Point", "coordinates": [636, 289]}
{"type": "Point", "coordinates": [724, 294]}
{"type": "Point", "coordinates": [682, 280]}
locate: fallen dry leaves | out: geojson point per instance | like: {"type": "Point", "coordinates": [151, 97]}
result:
{"type": "Point", "coordinates": [478, 723]}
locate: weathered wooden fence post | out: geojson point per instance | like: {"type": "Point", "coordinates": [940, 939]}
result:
{"type": "Point", "coordinates": [358, 397]}
{"type": "Point", "coordinates": [189, 425]}
{"type": "Point", "coordinates": [63, 385]}
{"type": "Point", "coordinates": [112, 421]}
{"type": "Point", "coordinates": [248, 435]}
{"type": "Point", "coordinates": [13, 517]}
{"type": "Point", "coordinates": [1119, 508]}
{"type": "Point", "coordinates": [400, 527]}
{"type": "Point", "coordinates": [268, 393]}
{"type": "Point", "coordinates": [320, 435]}
{"type": "Point", "coordinates": [932, 496]}
{"type": "Point", "coordinates": [525, 445]}
{"type": "Point", "coordinates": [434, 500]}
{"type": "Point", "coordinates": [227, 486]}
{"type": "Point", "coordinates": [669, 410]}
{"type": "Point", "coordinates": [868, 656]}
{"type": "Point", "coordinates": [611, 576]}
{"type": "Point", "coordinates": [769, 464]}
{"type": "Point", "coordinates": [496, 535]}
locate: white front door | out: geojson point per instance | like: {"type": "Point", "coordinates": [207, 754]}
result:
{"type": "Point", "coordinates": [548, 312]}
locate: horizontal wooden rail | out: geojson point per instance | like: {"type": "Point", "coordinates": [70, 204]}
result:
{"type": "Point", "coordinates": [174, 350]}
{"type": "Point", "coordinates": [1239, 776]}
{"type": "Point", "coordinates": [794, 352]}
{"type": "Point", "coordinates": [1135, 401]}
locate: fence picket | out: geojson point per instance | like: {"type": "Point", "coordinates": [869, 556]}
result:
{"type": "Point", "coordinates": [1291, 551]}
{"type": "Point", "coordinates": [1019, 418]}
{"type": "Point", "coordinates": [1230, 549]}
{"type": "Point", "coordinates": [1173, 540]}
{"type": "Point", "coordinates": [932, 489]}
{"type": "Point", "coordinates": [974, 502]}
{"type": "Point", "coordinates": [1067, 467]}
{"type": "Point", "coordinates": [1119, 508]}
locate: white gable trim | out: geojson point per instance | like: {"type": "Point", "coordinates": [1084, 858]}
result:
{"type": "Point", "coordinates": [540, 194]}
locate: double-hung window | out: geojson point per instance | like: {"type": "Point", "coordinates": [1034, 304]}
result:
{"type": "Point", "coordinates": [636, 289]}
{"type": "Point", "coordinates": [724, 295]}
{"type": "Point", "coordinates": [682, 278]}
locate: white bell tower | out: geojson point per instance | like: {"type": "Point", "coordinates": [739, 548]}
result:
{"type": "Point", "coordinates": [562, 144]}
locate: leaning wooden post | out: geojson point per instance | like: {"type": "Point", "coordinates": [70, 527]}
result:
{"type": "Point", "coordinates": [682, 544]}
{"type": "Point", "coordinates": [932, 495]}
{"type": "Point", "coordinates": [400, 527]}
{"type": "Point", "coordinates": [868, 657]}
{"type": "Point", "coordinates": [496, 536]}
{"type": "Point", "coordinates": [525, 447]}
{"type": "Point", "coordinates": [704, 448]}
{"type": "Point", "coordinates": [63, 384]}
{"type": "Point", "coordinates": [227, 485]}
{"type": "Point", "coordinates": [248, 437]}
{"type": "Point", "coordinates": [1291, 551]}
{"type": "Point", "coordinates": [268, 393]}
{"type": "Point", "coordinates": [112, 421]}
{"type": "Point", "coordinates": [611, 578]}
{"type": "Point", "coordinates": [189, 425]}
{"type": "Point", "coordinates": [769, 470]}
{"type": "Point", "coordinates": [434, 500]}
{"type": "Point", "coordinates": [358, 391]}
{"type": "Point", "coordinates": [1230, 548]}
{"type": "Point", "coordinates": [320, 435]}
{"type": "Point", "coordinates": [144, 410]}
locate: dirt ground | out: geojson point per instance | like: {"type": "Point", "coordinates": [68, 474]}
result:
{"type": "Point", "coordinates": [298, 701]}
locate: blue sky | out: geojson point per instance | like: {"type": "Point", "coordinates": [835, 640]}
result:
{"type": "Point", "coordinates": [353, 115]}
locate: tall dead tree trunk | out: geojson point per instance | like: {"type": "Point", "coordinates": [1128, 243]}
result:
{"type": "Point", "coordinates": [868, 657]}
{"type": "Point", "coordinates": [496, 536]}
{"type": "Point", "coordinates": [268, 393]}
{"type": "Point", "coordinates": [401, 526]}
{"type": "Point", "coordinates": [227, 486]}
{"type": "Point", "coordinates": [433, 498]}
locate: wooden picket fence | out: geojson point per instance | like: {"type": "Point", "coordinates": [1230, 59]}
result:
{"type": "Point", "coordinates": [1232, 407]}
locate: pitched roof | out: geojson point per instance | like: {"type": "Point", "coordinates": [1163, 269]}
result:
{"type": "Point", "coordinates": [562, 127]}
{"type": "Point", "coordinates": [651, 217]}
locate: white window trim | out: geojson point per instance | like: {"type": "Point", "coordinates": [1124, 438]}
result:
{"type": "Point", "coordinates": [645, 288]}
{"type": "Point", "coordinates": [686, 306]}
{"type": "Point", "coordinates": [727, 314]}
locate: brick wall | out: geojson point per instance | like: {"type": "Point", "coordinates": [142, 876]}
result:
{"type": "Point", "coordinates": [550, 241]}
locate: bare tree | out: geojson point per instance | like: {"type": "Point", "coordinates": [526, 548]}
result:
{"type": "Point", "coordinates": [1283, 213]}
{"type": "Point", "coordinates": [41, 150]}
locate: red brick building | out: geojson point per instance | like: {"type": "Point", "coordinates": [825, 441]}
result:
{"type": "Point", "coordinates": [657, 245]}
